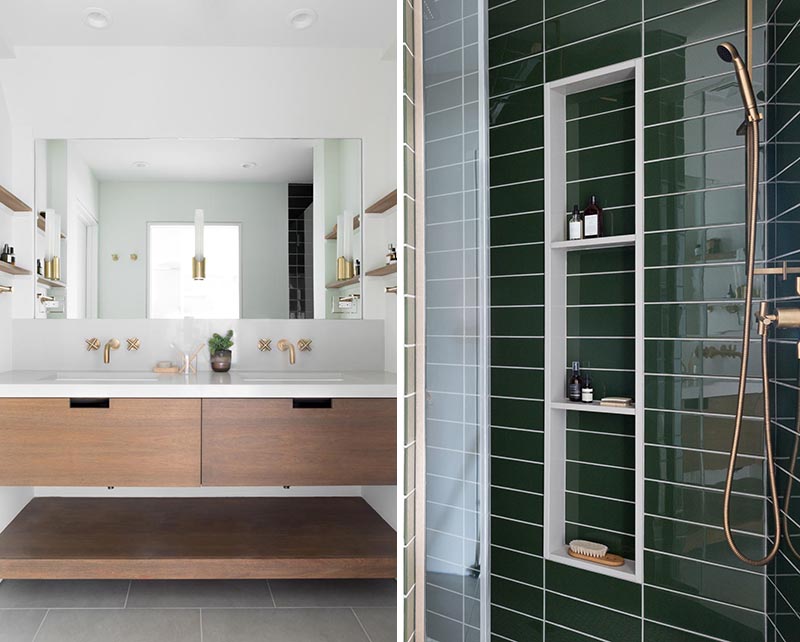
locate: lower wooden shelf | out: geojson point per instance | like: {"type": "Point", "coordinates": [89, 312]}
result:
{"type": "Point", "coordinates": [198, 538]}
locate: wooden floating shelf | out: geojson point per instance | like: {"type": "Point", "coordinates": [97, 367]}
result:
{"type": "Point", "coordinates": [595, 243]}
{"type": "Point", "coordinates": [593, 407]}
{"type": "Point", "coordinates": [383, 205]}
{"type": "Point", "coordinates": [210, 538]}
{"type": "Point", "coordinates": [12, 202]}
{"type": "Point", "coordinates": [51, 283]}
{"type": "Point", "coordinates": [383, 271]}
{"type": "Point", "coordinates": [335, 285]}
{"type": "Point", "coordinates": [332, 235]}
{"type": "Point", "coordinates": [8, 268]}
{"type": "Point", "coordinates": [40, 223]}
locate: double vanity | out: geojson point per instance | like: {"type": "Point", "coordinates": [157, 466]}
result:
{"type": "Point", "coordinates": [237, 430]}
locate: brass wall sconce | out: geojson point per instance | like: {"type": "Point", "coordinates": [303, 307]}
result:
{"type": "Point", "coordinates": [134, 344]}
{"type": "Point", "coordinates": [92, 344]}
{"type": "Point", "coordinates": [265, 345]}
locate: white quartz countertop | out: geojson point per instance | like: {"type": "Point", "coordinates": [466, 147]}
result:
{"type": "Point", "coordinates": [265, 384]}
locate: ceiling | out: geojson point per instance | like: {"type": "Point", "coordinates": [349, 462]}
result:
{"type": "Point", "coordinates": [186, 23]}
{"type": "Point", "coordinates": [278, 161]}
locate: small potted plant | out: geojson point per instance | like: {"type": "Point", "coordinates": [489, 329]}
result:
{"type": "Point", "coordinates": [220, 349]}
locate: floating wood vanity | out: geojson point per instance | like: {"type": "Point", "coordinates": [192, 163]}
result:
{"type": "Point", "coordinates": [191, 442]}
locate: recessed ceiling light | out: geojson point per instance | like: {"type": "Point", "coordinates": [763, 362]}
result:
{"type": "Point", "coordinates": [141, 164]}
{"type": "Point", "coordinates": [97, 18]}
{"type": "Point", "coordinates": [302, 18]}
{"type": "Point", "coordinates": [249, 165]}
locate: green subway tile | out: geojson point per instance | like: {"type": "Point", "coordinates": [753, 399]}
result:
{"type": "Point", "coordinates": [517, 566]}
{"type": "Point", "coordinates": [516, 45]}
{"type": "Point", "coordinates": [517, 259]}
{"type": "Point", "coordinates": [601, 161]}
{"type": "Point", "coordinates": [693, 320]}
{"type": "Point", "coordinates": [518, 475]}
{"type": "Point", "coordinates": [594, 587]}
{"type": "Point", "coordinates": [699, 358]}
{"type": "Point", "coordinates": [517, 413]}
{"type": "Point", "coordinates": [613, 259]}
{"type": "Point", "coordinates": [514, 15]}
{"type": "Point", "coordinates": [654, 632]}
{"type": "Point", "coordinates": [527, 353]}
{"type": "Point", "coordinates": [709, 283]}
{"type": "Point", "coordinates": [692, 136]}
{"type": "Point", "coordinates": [408, 25]}
{"type": "Point", "coordinates": [556, 7]}
{"type": "Point", "coordinates": [610, 450]}
{"type": "Point", "coordinates": [705, 246]}
{"type": "Point", "coordinates": [619, 221]}
{"type": "Point", "coordinates": [594, 289]}
{"type": "Point", "coordinates": [515, 626]}
{"type": "Point", "coordinates": [517, 290]}
{"type": "Point", "coordinates": [608, 482]}
{"type": "Point", "coordinates": [514, 199]}
{"type": "Point", "coordinates": [601, 422]}
{"type": "Point", "coordinates": [707, 395]}
{"type": "Point", "coordinates": [597, 101]}
{"type": "Point", "coordinates": [601, 129]}
{"type": "Point", "coordinates": [592, 54]}
{"type": "Point", "coordinates": [610, 383]}
{"type": "Point", "coordinates": [716, 207]}
{"type": "Point", "coordinates": [514, 76]}
{"type": "Point", "coordinates": [519, 444]}
{"type": "Point", "coordinates": [521, 105]}
{"type": "Point", "coordinates": [515, 168]}
{"type": "Point", "coordinates": [517, 322]}
{"type": "Point", "coordinates": [602, 353]}
{"type": "Point", "coordinates": [516, 505]}
{"type": "Point", "coordinates": [717, 169]}
{"type": "Point", "coordinates": [506, 139]}
{"type": "Point", "coordinates": [701, 506]}
{"type": "Point", "coordinates": [522, 228]}
{"type": "Point", "coordinates": [608, 321]}
{"type": "Point", "coordinates": [517, 597]}
{"type": "Point", "coordinates": [595, 620]}
{"type": "Point", "coordinates": [702, 469]}
{"type": "Point", "coordinates": [709, 618]}
{"type": "Point", "coordinates": [590, 21]}
{"type": "Point", "coordinates": [698, 541]}
{"type": "Point", "coordinates": [517, 382]}
{"type": "Point", "coordinates": [556, 633]}
{"type": "Point", "coordinates": [526, 538]}
{"type": "Point", "coordinates": [702, 22]}
{"type": "Point", "coordinates": [619, 544]}
{"type": "Point", "coordinates": [704, 432]}
{"type": "Point", "coordinates": [617, 191]}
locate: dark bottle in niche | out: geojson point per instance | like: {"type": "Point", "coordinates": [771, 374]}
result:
{"type": "Point", "coordinates": [575, 384]}
{"type": "Point", "coordinates": [593, 219]}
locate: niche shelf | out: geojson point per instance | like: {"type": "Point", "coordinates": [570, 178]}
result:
{"type": "Point", "coordinates": [384, 270]}
{"type": "Point", "coordinates": [41, 225]}
{"type": "Point", "coordinates": [50, 283]}
{"type": "Point", "coordinates": [384, 204]}
{"type": "Point", "coordinates": [12, 202]}
{"type": "Point", "coordinates": [9, 268]}
{"type": "Point", "coordinates": [333, 234]}
{"type": "Point", "coordinates": [335, 285]}
{"type": "Point", "coordinates": [570, 423]}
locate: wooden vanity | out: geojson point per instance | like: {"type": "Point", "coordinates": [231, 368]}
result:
{"type": "Point", "coordinates": [190, 443]}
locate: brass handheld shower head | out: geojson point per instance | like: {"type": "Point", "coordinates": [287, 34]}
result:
{"type": "Point", "coordinates": [729, 53]}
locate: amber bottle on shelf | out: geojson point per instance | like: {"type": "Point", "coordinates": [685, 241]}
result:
{"type": "Point", "coordinates": [593, 219]}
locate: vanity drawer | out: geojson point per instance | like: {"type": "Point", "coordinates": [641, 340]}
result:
{"type": "Point", "coordinates": [131, 442]}
{"type": "Point", "coordinates": [281, 442]}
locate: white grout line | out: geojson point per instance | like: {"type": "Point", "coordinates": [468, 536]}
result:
{"type": "Point", "coordinates": [201, 625]}
{"type": "Point", "coordinates": [127, 595]}
{"type": "Point", "coordinates": [360, 623]}
{"type": "Point", "coordinates": [271, 596]}
{"type": "Point", "coordinates": [41, 624]}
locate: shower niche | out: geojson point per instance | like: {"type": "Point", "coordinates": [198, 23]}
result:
{"type": "Point", "coordinates": [594, 313]}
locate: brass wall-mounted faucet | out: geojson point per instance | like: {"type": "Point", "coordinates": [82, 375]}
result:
{"type": "Point", "coordinates": [111, 344]}
{"type": "Point", "coordinates": [284, 345]}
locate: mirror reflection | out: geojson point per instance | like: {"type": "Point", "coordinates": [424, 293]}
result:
{"type": "Point", "coordinates": [206, 229]}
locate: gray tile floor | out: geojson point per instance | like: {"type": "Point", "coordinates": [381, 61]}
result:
{"type": "Point", "coordinates": [206, 611]}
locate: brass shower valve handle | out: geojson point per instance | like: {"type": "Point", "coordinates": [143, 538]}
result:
{"type": "Point", "coordinates": [265, 345]}
{"type": "Point", "coordinates": [92, 344]}
{"type": "Point", "coordinates": [134, 344]}
{"type": "Point", "coordinates": [304, 345]}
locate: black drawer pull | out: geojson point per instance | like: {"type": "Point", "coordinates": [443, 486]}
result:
{"type": "Point", "coordinates": [89, 403]}
{"type": "Point", "coordinates": [312, 403]}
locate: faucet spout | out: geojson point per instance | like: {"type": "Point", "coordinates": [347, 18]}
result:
{"type": "Point", "coordinates": [284, 345]}
{"type": "Point", "coordinates": [111, 344]}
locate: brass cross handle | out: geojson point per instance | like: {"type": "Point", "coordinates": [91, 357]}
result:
{"type": "Point", "coordinates": [92, 344]}
{"type": "Point", "coordinates": [134, 344]}
{"type": "Point", "coordinates": [304, 345]}
{"type": "Point", "coordinates": [265, 345]}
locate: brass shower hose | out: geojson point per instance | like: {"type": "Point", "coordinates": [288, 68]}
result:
{"type": "Point", "coordinates": [751, 144]}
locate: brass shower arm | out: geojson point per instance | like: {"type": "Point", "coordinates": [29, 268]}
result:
{"type": "Point", "coordinates": [784, 270]}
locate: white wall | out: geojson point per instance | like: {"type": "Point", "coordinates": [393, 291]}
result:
{"type": "Point", "coordinates": [261, 208]}
{"type": "Point", "coordinates": [11, 499]}
{"type": "Point", "coordinates": [82, 206]}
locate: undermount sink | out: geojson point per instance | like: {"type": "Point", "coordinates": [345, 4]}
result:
{"type": "Point", "coordinates": [107, 377]}
{"type": "Point", "coordinates": [291, 377]}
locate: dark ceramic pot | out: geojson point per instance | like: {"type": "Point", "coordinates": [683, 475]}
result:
{"type": "Point", "coordinates": [221, 361]}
